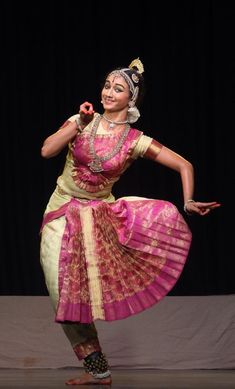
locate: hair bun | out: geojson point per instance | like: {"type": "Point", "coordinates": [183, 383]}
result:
{"type": "Point", "coordinates": [137, 64]}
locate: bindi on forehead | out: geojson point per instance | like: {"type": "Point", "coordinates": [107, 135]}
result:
{"type": "Point", "coordinates": [116, 79]}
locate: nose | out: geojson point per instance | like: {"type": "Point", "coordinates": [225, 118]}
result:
{"type": "Point", "coordinates": [110, 92]}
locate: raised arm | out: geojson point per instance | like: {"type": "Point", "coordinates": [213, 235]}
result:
{"type": "Point", "coordinates": [56, 142]}
{"type": "Point", "coordinates": [169, 158]}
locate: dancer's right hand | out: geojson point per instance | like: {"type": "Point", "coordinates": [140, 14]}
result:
{"type": "Point", "coordinates": [86, 112]}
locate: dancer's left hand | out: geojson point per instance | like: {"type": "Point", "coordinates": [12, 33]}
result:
{"type": "Point", "coordinates": [201, 208]}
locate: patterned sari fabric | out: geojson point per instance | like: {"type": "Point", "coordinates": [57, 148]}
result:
{"type": "Point", "coordinates": [117, 258]}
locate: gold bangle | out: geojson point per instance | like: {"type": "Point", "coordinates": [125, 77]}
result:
{"type": "Point", "coordinates": [185, 206]}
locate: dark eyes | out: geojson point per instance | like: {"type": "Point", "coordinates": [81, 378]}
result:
{"type": "Point", "coordinates": [116, 88]}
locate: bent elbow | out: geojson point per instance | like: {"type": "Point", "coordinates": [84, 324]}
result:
{"type": "Point", "coordinates": [190, 166]}
{"type": "Point", "coordinates": [44, 152]}
{"type": "Point", "coordinates": [47, 153]}
{"type": "Point", "coordinates": [187, 166]}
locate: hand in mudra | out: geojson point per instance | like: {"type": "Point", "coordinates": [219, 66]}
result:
{"type": "Point", "coordinates": [86, 112]}
{"type": "Point", "coordinates": [200, 208]}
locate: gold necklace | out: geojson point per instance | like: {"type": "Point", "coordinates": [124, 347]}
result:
{"type": "Point", "coordinates": [96, 163]}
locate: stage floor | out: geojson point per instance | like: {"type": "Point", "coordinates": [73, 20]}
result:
{"type": "Point", "coordinates": [128, 379]}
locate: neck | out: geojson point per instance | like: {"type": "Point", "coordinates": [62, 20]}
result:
{"type": "Point", "coordinates": [113, 123]}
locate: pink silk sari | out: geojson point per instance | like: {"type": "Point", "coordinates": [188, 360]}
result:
{"type": "Point", "coordinates": [120, 258]}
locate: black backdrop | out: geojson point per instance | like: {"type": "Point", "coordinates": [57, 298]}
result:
{"type": "Point", "coordinates": [53, 58]}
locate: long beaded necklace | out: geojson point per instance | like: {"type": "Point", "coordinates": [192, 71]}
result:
{"type": "Point", "coordinates": [96, 163]}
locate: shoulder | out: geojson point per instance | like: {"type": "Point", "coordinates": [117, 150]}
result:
{"type": "Point", "coordinates": [142, 142]}
{"type": "Point", "coordinates": [73, 117]}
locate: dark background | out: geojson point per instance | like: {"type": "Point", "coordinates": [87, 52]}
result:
{"type": "Point", "coordinates": [53, 58]}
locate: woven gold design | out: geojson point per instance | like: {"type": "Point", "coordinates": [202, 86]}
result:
{"type": "Point", "coordinates": [138, 64]}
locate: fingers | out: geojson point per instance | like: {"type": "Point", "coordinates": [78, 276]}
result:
{"type": "Point", "coordinates": [202, 209]}
{"type": "Point", "coordinates": [204, 212]}
{"type": "Point", "coordinates": [86, 108]}
{"type": "Point", "coordinates": [207, 207]}
{"type": "Point", "coordinates": [207, 204]}
{"type": "Point", "coordinates": [86, 113]}
{"type": "Point", "coordinates": [215, 206]}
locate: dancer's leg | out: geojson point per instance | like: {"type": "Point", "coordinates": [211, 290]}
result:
{"type": "Point", "coordinates": [85, 343]}
{"type": "Point", "coordinates": [82, 337]}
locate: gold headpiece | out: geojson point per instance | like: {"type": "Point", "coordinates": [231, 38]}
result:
{"type": "Point", "coordinates": [136, 63]}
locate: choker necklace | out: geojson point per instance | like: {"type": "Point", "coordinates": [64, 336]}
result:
{"type": "Point", "coordinates": [96, 161]}
{"type": "Point", "coordinates": [112, 123]}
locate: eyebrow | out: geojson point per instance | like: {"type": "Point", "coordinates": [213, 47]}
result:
{"type": "Point", "coordinates": [116, 84]}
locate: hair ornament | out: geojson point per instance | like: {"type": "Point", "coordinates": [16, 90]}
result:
{"type": "Point", "coordinates": [136, 63]}
{"type": "Point", "coordinates": [135, 78]}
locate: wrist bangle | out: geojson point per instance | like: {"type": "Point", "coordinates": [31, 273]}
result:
{"type": "Point", "coordinates": [185, 206]}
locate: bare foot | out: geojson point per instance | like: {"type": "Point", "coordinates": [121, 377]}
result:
{"type": "Point", "coordinates": [88, 379]}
